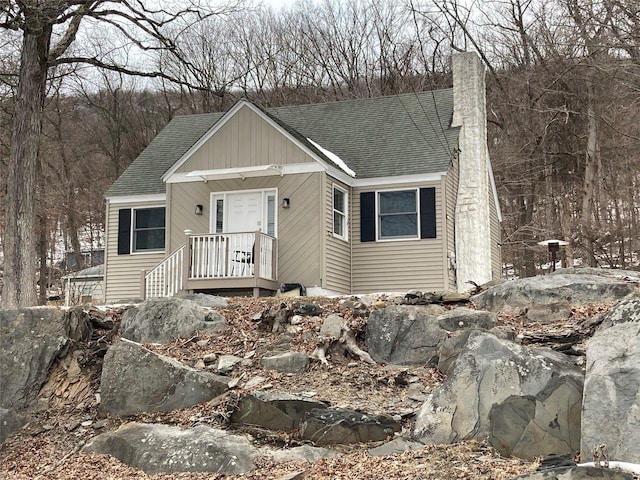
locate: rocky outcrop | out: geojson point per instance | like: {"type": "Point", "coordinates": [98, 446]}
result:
{"type": "Point", "coordinates": [463, 318]}
{"type": "Point", "coordinates": [333, 426]}
{"type": "Point", "coordinates": [554, 291]}
{"type": "Point", "coordinates": [276, 411]}
{"type": "Point", "coordinates": [576, 473]}
{"type": "Point", "coordinates": [290, 362]}
{"type": "Point", "coordinates": [156, 448]}
{"type": "Point", "coordinates": [162, 320]}
{"type": "Point", "coordinates": [404, 335]}
{"type": "Point", "coordinates": [611, 407]}
{"type": "Point", "coordinates": [490, 371]}
{"type": "Point", "coordinates": [135, 380]}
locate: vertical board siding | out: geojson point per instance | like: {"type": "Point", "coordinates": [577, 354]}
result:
{"type": "Point", "coordinates": [398, 265]}
{"type": "Point", "coordinates": [298, 228]}
{"type": "Point", "coordinates": [338, 252]}
{"type": "Point", "coordinates": [122, 272]}
{"type": "Point", "coordinates": [245, 140]}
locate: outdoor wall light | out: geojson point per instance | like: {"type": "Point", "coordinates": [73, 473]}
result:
{"type": "Point", "coordinates": [285, 203]}
{"type": "Point", "coordinates": [199, 209]}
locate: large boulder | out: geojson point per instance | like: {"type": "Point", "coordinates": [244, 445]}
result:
{"type": "Point", "coordinates": [136, 380]}
{"type": "Point", "coordinates": [576, 473]}
{"type": "Point", "coordinates": [611, 406]}
{"type": "Point", "coordinates": [31, 340]}
{"type": "Point", "coordinates": [156, 448]}
{"type": "Point", "coordinates": [337, 426]}
{"type": "Point", "coordinates": [275, 411]}
{"type": "Point", "coordinates": [162, 320]}
{"type": "Point", "coordinates": [554, 291]}
{"type": "Point", "coordinates": [404, 335]}
{"type": "Point", "coordinates": [489, 371]}
{"type": "Point", "coordinates": [462, 317]}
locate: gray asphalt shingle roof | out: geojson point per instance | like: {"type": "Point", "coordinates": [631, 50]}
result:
{"type": "Point", "coordinates": [406, 134]}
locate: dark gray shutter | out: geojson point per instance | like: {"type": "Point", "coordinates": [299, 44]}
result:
{"type": "Point", "coordinates": [124, 231]}
{"type": "Point", "coordinates": [367, 217]}
{"type": "Point", "coordinates": [428, 212]}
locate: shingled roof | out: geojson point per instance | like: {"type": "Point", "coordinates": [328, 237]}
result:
{"type": "Point", "coordinates": [406, 134]}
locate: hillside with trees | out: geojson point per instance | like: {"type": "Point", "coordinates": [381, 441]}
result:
{"type": "Point", "coordinates": [563, 92]}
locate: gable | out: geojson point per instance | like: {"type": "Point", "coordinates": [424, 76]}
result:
{"type": "Point", "coordinates": [244, 139]}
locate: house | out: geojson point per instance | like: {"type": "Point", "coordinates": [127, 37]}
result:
{"type": "Point", "coordinates": [379, 194]}
{"type": "Point", "coordinates": [84, 286]}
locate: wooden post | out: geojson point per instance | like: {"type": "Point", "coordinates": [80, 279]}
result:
{"type": "Point", "coordinates": [143, 284]}
{"type": "Point", "coordinates": [186, 260]}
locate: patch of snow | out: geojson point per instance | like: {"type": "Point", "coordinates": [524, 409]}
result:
{"type": "Point", "coordinates": [334, 158]}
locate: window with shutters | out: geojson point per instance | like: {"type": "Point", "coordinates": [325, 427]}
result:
{"type": "Point", "coordinates": [398, 214]}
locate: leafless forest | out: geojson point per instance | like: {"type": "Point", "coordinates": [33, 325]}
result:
{"type": "Point", "coordinates": [563, 100]}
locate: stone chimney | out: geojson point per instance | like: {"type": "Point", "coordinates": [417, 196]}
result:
{"type": "Point", "coordinates": [473, 227]}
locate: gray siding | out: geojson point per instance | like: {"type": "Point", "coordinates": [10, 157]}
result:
{"type": "Point", "coordinates": [337, 276]}
{"type": "Point", "coordinates": [496, 237]}
{"type": "Point", "coordinates": [451, 188]}
{"type": "Point", "coordinates": [245, 140]}
{"type": "Point", "coordinates": [123, 272]}
{"type": "Point", "coordinates": [398, 265]}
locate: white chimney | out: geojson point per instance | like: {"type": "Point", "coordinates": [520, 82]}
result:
{"type": "Point", "coordinates": [473, 229]}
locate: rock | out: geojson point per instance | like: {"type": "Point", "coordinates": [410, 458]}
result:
{"type": "Point", "coordinates": [462, 317]}
{"type": "Point", "coordinates": [226, 363]}
{"type": "Point", "coordinates": [31, 340]}
{"type": "Point", "coordinates": [575, 473]}
{"type": "Point", "coordinates": [209, 301]}
{"type": "Point", "coordinates": [533, 426]}
{"type": "Point", "coordinates": [549, 312]}
{"type": "Point", "coordinates": [162, 320]}
{"type": "Point", "coordinates": [305, 453]}
{"type": "Point", "coordinates": [403, 335]}
{"type": "Point", "coordinates": [577, 289]}
{"type": "Point", "coordinates": [556, 461]}
{"type": "Point", "coordinates": [136, 380]}
{"type": "Point", "coordinates": [332, 327]}
{"type": "Point", "coordinates": [156, 448]}
{"type": "Point", "coordinates": [291, 362]}
{"type": "Point", "coordinates": [488, 371]}
{"type": "Point", "coordinates": [332, 426]}
{"type": "Point", "coordinates": [611, 405]}
{"type": "Point", "coordinates": [394, 447]}
{"type": "Point", "coordinates": [10, 421]}
{"type": "Point", "coordinates": [306, 308]}
{"type": "Point", "coordinates": [275, 411]}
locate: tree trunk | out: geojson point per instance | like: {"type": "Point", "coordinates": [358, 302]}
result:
{"type": "Point", "coordinates": [20, 242]}
{"type": "Point", "coordinates": [592, 160]}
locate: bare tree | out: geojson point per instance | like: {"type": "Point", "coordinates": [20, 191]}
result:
{"type": "Point", "coordinates": [49, 29]}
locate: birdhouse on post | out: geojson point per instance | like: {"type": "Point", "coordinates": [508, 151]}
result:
{"type": "Point", "coordinates": [554, 247]}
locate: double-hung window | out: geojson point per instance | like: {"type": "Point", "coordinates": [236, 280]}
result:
{"type": "Point", "coordinates": [141, 230]}
{"type": "Point", "coordinates": [398, 214]}
{"type": "Point", "coordinates": [339, 212]}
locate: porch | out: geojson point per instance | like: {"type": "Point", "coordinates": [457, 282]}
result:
{"type": "Point", "coordinates": [216, 261]}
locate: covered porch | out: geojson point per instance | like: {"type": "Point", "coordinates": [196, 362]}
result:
{"type": "Point", "coordinates": [215, 261]}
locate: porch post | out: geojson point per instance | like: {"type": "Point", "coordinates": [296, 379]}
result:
{"type": "Point", "coordinates": [257, 251]}
{"type": "Point", "coordinates": [143, 284]}
{"type": "Point", "coordinates": [186, 260]}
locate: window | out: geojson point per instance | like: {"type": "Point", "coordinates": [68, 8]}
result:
{"type": "Point", "coordinates": [339, 212]}
{"type": "Point", "coordinates": [148, 229]}
{"type": "Point", "coordinates": [398, 214]}
{"type": "Point", "coordinates": [141, 229]}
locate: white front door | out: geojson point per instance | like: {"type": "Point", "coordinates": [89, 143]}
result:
{"type": "Point", "coordinates": [243, 212]}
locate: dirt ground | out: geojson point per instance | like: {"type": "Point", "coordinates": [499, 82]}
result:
{"type": "Point", "coordinates": [50, 446]}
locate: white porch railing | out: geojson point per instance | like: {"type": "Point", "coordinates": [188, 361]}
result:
{"type": "Point", "coordinates": [216, 256]}
{"type": "Point", "coordinates": [165, 280]}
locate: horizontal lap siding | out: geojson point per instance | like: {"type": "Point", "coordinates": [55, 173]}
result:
{"type": "Point", "coordinates": [496, 237]}
{"type": "Point", "coordinates": [337, 251]}
{"type": "Point", "coordinates": [122, 272]}
{"type": "Point", "coordinates": [451, 187]}
{"type": "Point", "coordinates": [398, 265]}
{"type": "Point", "coordinates": [245, 140]}
{"type": "Point", "coordinates": [298, 228]}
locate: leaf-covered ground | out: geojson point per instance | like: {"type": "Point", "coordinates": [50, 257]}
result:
{"type": "Point", "coordinates": [49, 447]}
